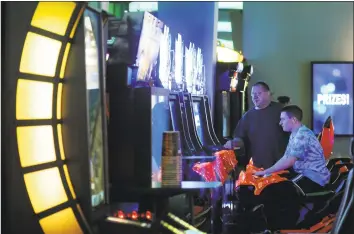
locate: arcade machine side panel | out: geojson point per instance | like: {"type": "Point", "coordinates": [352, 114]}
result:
{"type": "Point", "coordinates": [235, 108]}
{"type": "Point", "coordinates": [121, 106]}
{"type": "Point", "coordinates": [187, 100]}
{"type": "Point", "coordinates": [201, 121]}
{"type": "Point", "coordinates": [74, 113]}
{"type": "Point", "coordinates": [186, 124]}
{"type": "Point", "coordinates": [97, 119]}
{"type": "Point", "coordinates": [222, 115]}
{"type": "Point", "coordinates": [226, 117]}
{"type": "Point", "coordinates": [222, 101]}
{"type": "Point", "coordinates": [209, 120]}
{"type": "Point", "coordinates": [151, 119]}
{"type": "Point", "coordinates": [177, 124]}
{"type": "Point", "coordinates": [84, 127]}
{"type": "Point", "coordinates": [120, 125]}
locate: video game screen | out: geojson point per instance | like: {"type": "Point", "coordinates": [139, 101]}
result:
{"type": "Point", "coordinates": [96, 152]}
{"type": "Point", "coordinates": [196, 108]}
{"type": "Point", "coordinates": [332, 90]}
{"type": "Point", "coordinates": [149, 46]}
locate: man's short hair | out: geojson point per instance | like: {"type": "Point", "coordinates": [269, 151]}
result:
{"type": "Point", "coordinates": [263, 84]}
{"type": "Point", "coordinates": [293, 111]}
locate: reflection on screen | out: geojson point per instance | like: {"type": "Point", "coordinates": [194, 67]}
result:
{"type": "Point", "coordinates": [196, 107]}
{"type": "Point", "coordinates": [225, 114]}
{"type": "Point", "coordinates": [94, 109]}
{"type": "Point", "coordinates": [160, 123]}
{"type": "Point", "coordinates": [178, 59]}
{"type": "Point", "coordinates": [333, 96]}
{"type": "Point", "coordinates": [189, 63]}
{"type": "Point", "coordinates": [165, 58]}
{"type": "Point", "coordinates": [200, 76]}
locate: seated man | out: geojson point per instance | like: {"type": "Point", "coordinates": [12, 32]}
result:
{"type": "Point", "coordinates": [304, 152]}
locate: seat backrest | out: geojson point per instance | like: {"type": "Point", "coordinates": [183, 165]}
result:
{"type": "Point", "coordinates": [345, 216]}
{"type": "Point", "coordinates": [326, 137]}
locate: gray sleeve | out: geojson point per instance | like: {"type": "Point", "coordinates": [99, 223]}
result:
{"type": "Point", "coordinates": [241, 128]}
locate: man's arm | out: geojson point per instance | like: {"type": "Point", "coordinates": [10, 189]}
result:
{"type": "Point", "coordinates": [284, 163]}
{"type": "Point", "coordinates": [296, 152]}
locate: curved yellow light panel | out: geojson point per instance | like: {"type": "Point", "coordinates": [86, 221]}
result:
{"type": "Point", "coordinates": [65, 59]}
{"type": "Point", "coordinates": [61, 222]}
{"type": "Point", "coordinates": [53, 16]}
{"type": "Point", "coordinates": [67, 175]}
{"type": "Point", "coordinates": [34, 99]}
{"type": "Point", "coordinates": [40, 55]}
{"type": "Point", "coordinates": [35, 145]}
{"type": "Point", "coordinates": [60, 140]}
{"type": "Point", "coordinates": [73, 30]}
{"type": "Point", "coordinates": [45, 189]}
{"type": "Point", "coordinates": [59, 96]}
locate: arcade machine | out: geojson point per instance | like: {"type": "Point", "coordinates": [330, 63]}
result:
{"type": "Point", "coordinates": [55, 178]}
{"type": "Point", "coordinates": [54, 126]}
{"type": "Point", "coordinates": [229, 65]}
{"type": "Point", "coordinates": [187, 81]}
{"type": "Point", "coordinates": [203, 123]}
{"type": "Point", "coordinates": [139, 109]}
{"type": "Point", "coordinates": [232, 77]}
{"type": "Point", "coordinates": [135, 105]}
{"type": "Point", "coordinates": [198, 136]}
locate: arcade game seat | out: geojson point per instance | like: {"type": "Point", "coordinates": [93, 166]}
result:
{"type": "Point", "coordinates": [345, 216]}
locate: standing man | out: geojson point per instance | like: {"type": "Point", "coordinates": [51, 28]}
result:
{"type": "Point", "coordinates": [259, 131]}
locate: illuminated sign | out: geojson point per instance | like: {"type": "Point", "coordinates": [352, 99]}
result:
{"type": "Point", "coordinates": [333, 99]}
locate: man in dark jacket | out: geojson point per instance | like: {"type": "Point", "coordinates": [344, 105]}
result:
{"type": "Point", "coordinates": [259, 131]}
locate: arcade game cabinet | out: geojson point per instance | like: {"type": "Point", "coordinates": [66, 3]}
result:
{"type": "Point", "coordinates": [138, 109]}
{"type": "Point", "coordinates": [231, 94]}
{"type": "Point", "coordinates": [56, 157]}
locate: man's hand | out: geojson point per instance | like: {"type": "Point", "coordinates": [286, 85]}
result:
{"type": "Point", "coordinates": [228, 145]}
{"type": "Point", "coordinates": [259, 173]}
{"type": "Point", "coordinates": [234, 143]}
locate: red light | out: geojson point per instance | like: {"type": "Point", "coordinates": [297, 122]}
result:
{"type": "Point", "coordinates": [142, 215]}
{"type": "Point", "coordinates": [120, 214]}
{"type": "Point", "coordinates": [129, 215]}
{"type": "Point", "coordinates": [134, 215]}
{"type": "Point", "coordinates": [148, 215]}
